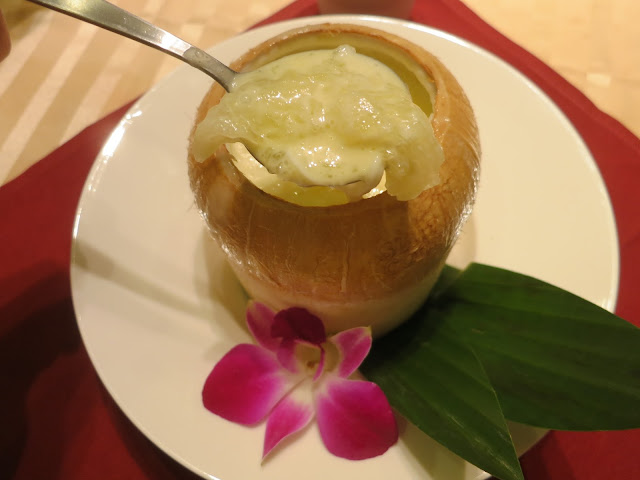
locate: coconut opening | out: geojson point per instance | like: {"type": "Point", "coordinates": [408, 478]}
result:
{"type": "Point", "coordinates": [410, 158]}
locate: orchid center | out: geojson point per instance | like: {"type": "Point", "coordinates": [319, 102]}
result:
{"type": "Point", "coordinates": [309, 358]}
{"type": "Point", "coordinates": [331, 356]}
{"type": "Point", "coordinates": [314, 360]}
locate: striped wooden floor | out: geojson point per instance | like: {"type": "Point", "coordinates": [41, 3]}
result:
{"type": "Point", "coordinates": [63, 75]}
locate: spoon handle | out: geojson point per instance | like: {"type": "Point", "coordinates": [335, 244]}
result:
{"type": "Point", "coordinates": [115, 19]}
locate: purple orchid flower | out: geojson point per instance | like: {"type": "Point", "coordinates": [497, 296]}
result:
{"type": "Point", "coordinates": [295, 373]}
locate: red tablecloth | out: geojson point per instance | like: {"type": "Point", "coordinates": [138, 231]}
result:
{"type": "Point", "coordinates": [56, 419]}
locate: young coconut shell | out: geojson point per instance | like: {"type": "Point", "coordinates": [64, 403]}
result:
{"type": "Point", "coordinates": [367, 263]}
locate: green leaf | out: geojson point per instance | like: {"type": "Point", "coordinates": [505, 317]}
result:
{"type": "Point", "coordinates": [435, 380]}
{"type": "Point", "coordinates": [491, 341]}
{"type": "Point", "coordinates": [555, 360]}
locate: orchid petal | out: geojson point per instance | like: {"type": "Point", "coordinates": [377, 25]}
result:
{"type": "Point", "coordinates": [355, 418]}
{"type": "Point", "coordinates": [292, 414]}
{"type": "Point", "coordinates": [246, 384]}
{"type": "Point", "coordinates": [298, 323]}
{"type": "Point", "coordinates": [299, 356]}
{"type": "Point", "coordinates": [260, 321]}
{"type": "Point", "coordinates": [353, 345]}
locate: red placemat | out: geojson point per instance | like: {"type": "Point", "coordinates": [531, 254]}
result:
{"type": "Point", "coordinates": [58, 422]}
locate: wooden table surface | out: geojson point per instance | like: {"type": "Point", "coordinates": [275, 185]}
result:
{"type": "Point", "coordinates": [63, 75]}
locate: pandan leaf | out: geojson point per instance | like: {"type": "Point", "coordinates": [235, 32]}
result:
{"type": "Point", "coordinates": [555, 360]}
{"type": "Point", "coordinates": [491, 342]}
{"type": "Point", "coordinates": [436, 381]}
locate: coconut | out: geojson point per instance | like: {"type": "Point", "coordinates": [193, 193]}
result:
{"type": "Point", "coordinates": [370, 262]}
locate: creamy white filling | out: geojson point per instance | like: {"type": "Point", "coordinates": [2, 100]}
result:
{"type": "Point", "coordinates": [333, 120]}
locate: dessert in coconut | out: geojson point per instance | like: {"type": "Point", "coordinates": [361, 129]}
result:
{"type": "Point", "coordinates": [371, 162]}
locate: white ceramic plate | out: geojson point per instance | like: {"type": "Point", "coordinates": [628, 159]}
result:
{"type": "Point", "coordinates": [157, 305]}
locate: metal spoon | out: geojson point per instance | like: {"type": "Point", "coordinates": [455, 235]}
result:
{"type": "Point", "coordinates": [115, 19]}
